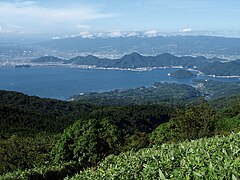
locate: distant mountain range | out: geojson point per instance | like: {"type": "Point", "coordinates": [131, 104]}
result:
{"type": "Point", "coordinates": [212, 66]}
{"type": "Point", "coordinates": [177, 45]}
{"type": "Point", "coordinates": [116, 47]}
{"type": "Point", "coordinates": [133, 60]}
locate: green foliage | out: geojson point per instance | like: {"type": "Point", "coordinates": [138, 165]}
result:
{"type": "Point", "coordinates": [182, 73]}
{"type": "Point", "coordinates": [232, 109]}
{"type": "Point", "coordinates": [24, 153]}
{"type": "Point", "coordinates": [87, 142]}
{"type": "Point", "coordinates": [134, 118]}
{"type": "Point", "coordinates": [50, 172]}
{"type": "Point", "coordinates": [165, 133]}
{"type": "Point", "coordinates": [195, 121]}
{"type": "Point", "coordinates": [136, 141]}
{"type": "Point", "coordinates": [159, 93]}
{"type": "Point", "coordinates": [213, 158]}
{"type": "Point", "coordinates": [230, 115]}
{"type": "Point", "coordinates": [102, 131]}
{"type": "Point", "coordinates": [28, 115]}
{"type": "Point", "coordinates": [111, 130]}
{"type": "Point", "coordinates": [218, 89]}
{"type": "Point", "coordinates": [217, 68]}
{"type": "Point", "coordinates": [230, 103]}
{"type": "Point", "coordinates": [227, 125]}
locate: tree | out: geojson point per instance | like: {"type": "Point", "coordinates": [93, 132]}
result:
{"type": "Point", "coordinates": [165, 133]}
{"type": "Point", "coordinates": [195, 121]}
{"type": "Point", "coordinates": [87, 142]}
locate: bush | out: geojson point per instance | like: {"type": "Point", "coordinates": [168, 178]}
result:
{"type": "Point", "coordinates": [165, 133]}
{"type": "Point", "coordinates": [195, 121]}
{"type": "Point", "coordinates": [22, 153]}
{"type": "Point", "coordinates": [136, 141]}
{"type": "Point", "coordinates": [87, 142]}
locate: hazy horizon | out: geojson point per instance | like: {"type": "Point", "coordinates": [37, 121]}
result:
{"type": "Point", "coordinates": [60, 19]}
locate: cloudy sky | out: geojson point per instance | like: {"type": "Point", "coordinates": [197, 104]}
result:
{"type": "Point", "coordinates": [69, 17]}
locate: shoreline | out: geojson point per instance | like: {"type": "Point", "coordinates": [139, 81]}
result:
{"type": "Point", "coordinates": [142, 69]}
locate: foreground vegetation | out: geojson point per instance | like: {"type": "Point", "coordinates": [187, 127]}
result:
{"type": "Point", "coordinates": [49, 139]}
{"type": "Point", "coordinates": [213, 158]}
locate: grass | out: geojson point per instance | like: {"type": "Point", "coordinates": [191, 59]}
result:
{"type": "Point", "coordinates": [213, 158]}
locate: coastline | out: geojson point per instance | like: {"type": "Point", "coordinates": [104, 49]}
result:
{"type": "Point", "coordinates": [142, 69]}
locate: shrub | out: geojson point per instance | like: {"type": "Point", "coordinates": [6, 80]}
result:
{"type": "Point", "coordinates": [195, 121]}
{"type": "Point", "coordinates": [136, 141]}
{"type": "Point", "coordinates": [87, 142]}
{"type": "Point", "coordinates": [165, 133]}
{"type": "Point", "coordinates": [22, 153]}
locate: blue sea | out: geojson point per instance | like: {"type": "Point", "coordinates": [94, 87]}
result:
{"type": "Point", "coordinates": [63, 82]}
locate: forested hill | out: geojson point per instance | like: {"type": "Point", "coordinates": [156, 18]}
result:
{"type": "Point", "coordinates": [158, 93]}
{"type": "Point", "coordinates": [133, 60]}
{"type": "Point", "coordinates": [28, 115]}
{"type": "Point", "coordinates": [47, 59]}
{"type": "Point", "coordinates": [213, 66]}
{"type": "Point", "coordinates": [217, 68]}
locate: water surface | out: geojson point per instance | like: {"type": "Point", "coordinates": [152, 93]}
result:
{"type": "Point", "coordinates": [63, 82]}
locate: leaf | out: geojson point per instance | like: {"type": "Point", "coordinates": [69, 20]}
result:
{"type": "Point", "coordinates": [197, 174]}
{"type": "Point", "coordinates": [161, 175]}
{"type": "Point", "coordinates": [234, 177]}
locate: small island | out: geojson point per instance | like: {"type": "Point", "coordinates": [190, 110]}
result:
{"type": "Point", "coordinates": [23, 66]}
{"type": "Point", "coordinates": [182, 73]}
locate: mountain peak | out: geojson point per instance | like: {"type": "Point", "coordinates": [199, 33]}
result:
{"type": "Point", "coordinates": [166, 55]}
{"type": "Point", "coordinates": [133, 55]}
{"type": "Point", "coordinates": [91, 56]}
{"type": "Point", "coordinates": [44, 59]}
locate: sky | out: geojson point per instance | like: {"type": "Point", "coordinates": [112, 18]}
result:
{"type": "Point", "coordinates": [88, 18]}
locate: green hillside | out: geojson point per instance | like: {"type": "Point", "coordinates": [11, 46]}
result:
{"type": "Point", "coordinates": [158, 93]}
{"type": "Point", "coordinates": [50, 139]}
{"type": "Point", "coordinates": [213, 158]}
{"type": "Point", "coordinates": [29, 115]}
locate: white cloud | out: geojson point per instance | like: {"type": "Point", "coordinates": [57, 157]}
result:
{"type": "Point", "coordinates": [100, 34]}
{"type": "Point", "coordinates": [115, 34]}
{"type": "Point", "coordinates": [132, 34]}
{"type": "Point", "coordinates": [29, 15]}
{"type": "Point", "coordinates": [186, 30]}
{"type": "Point", "coordinates": [73, 36]}
{"type": "Point", "coordinates": [56, 37]}
{"type": "Point", "coordinates": [151, 33]}
{"type": "Point", "coordinates": [86, 34]}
